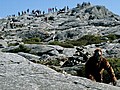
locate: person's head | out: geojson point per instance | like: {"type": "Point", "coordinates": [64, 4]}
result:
{"type": "Point", "coordinates": [97, 53]}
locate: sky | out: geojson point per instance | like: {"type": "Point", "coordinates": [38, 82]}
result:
{"type": "Point", "coordinates": [11, 7]}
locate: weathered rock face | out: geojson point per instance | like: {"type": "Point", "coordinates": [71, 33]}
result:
{"type": "Point", "coordinates": [17, 73]}
{"type": "Point", "coordinates": [36, 49]}
{"type": "Point", "coordinates": [30, 57]}
{"type": "Point", "coordinates": [33, 33]}
{"type": "Point", "coordinates": [109, 49]}
{"type": "Point", "coordinates": [3, 44]}
{"type": "Point", "coordinates": [45, 51]}
{"type": "Point", "coordinates": [71, 24]}
{"type": "Point", "coordinates": [69, 51]}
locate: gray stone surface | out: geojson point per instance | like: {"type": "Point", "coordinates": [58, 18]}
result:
{"type": "Point", "coordinates": [72, 24]}
{"type": "Point", "coordinates": [109, 49]}
{"type": "Point", "coordinates": [29, 56]}
{"type": "Point", "coordinates": [17, 73]}
{"type": "Point", "coordinates": [10, 49]}
{"type": "Point", "coordinates": [44, 49]}
{"type": "Point", "coordinates": [69, 51]}
{"type": "Point", "coordinates": [3, 43]}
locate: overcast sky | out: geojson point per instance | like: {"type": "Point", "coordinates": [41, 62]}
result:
{"type": "Point", "coordinates": [10, 7]}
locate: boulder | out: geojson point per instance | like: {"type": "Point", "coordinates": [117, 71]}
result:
{"type": "Point", "coordinates": [58, 48]}
{"type": "Point", "coordinates": [30, 57]}
{"type": "Point", "coordinates": [76, 70]}
{"type": "Point", "coordinates": [3, 43]}
{"type": "Point", "coordinates": [10, 49]}
{"type": "Point", "coordinates": [35, 48]}
{"type": "Point", "coordinates": [69, 51]}
{"type": "Point", "coordinates": [108, 49]}
{"type": "Point", "coordinates": [17, 73]}
{"type": "Point", "coordinates": [32, 33]}
{"type": "Point", "coordinates": [44, 49]}
{"type": "Point", "coordinates": [53, 53]}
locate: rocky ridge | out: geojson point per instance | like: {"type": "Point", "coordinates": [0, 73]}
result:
{"type": "Point", "coordinates": [72, 24]}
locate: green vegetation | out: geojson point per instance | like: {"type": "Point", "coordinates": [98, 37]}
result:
{"type": "Point", "coordinates": [49, 62]}
{"type": "Point", "coordinates": [92, 39]}
{"type": "Point", "coordinates": [85, 40]}
{"type": "Point", "coordinates": [35, 40]}
{"type": "Point", "coordinates": [63, 44]}
{"type": "Point", "coordinates": [21, 48]}
{"type": "Point", "coordinates": [115, 63]}
{"type": "Point", "coordinates": [112, 37]}
{"type": "Point", "coordinates": [13, 44]}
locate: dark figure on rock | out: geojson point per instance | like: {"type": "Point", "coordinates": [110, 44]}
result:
{"type": "Point", "coordinates": [95, 66]}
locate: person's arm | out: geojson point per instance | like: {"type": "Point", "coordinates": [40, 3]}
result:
{"type": "Point", "coordinates": [110, 70]}
{"type": "Point", "coordinates": [88, 70]}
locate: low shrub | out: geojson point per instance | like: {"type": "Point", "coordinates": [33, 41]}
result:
{"type": "Point", "coordinates": [112, 37]}
{"type": "Point", "coordinates": [63, 44]}
{"type": "Point", "coordinates": [86, 40]}
{"type": "Point", "coordinates": [21, 48]}
{"type": "Point", "coordinates": [13, 44]}
{"type": "Point", "coordinates": [77, 43]}
{"type": "Point", "coordinates": [35, 40]}
{"type": "Point", "coordinates": [50, 62]}
{"type": "Point", "coordinates": [92, 39]}
{"type": "Point", "coordinates": [115, 63]}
